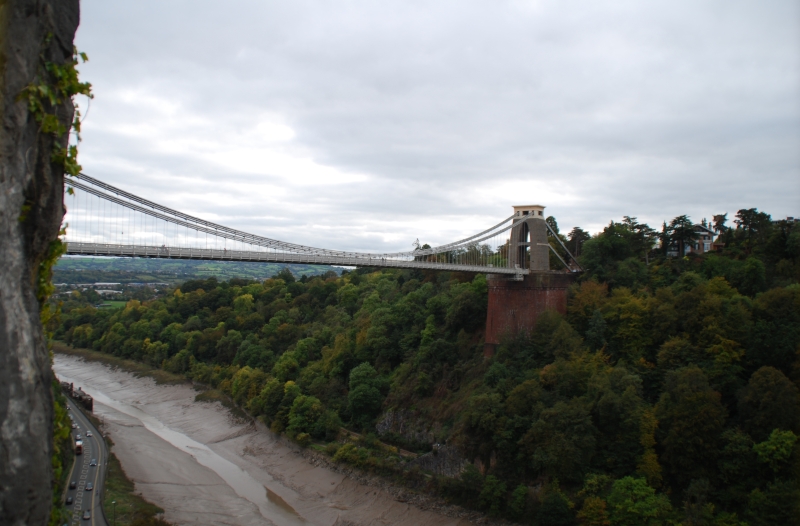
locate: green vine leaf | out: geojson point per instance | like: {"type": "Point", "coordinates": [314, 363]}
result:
{"type": "Point", "coordinates": [55, 84]}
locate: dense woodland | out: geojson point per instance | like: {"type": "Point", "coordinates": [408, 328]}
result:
{"type": "Point", "coordinates": [668, 394]}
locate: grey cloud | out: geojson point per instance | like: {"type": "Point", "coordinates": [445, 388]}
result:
{"type": "Point", "coordinates": [650, 109]}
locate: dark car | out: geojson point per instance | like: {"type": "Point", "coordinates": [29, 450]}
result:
{"type": "Point", "coordinates": [87, 515]}
{"type": "Point", "coordinates": [93, 462]}
{"type": "Point", "coordinates": [89, 486]}
{"type": "Point", "coordinates": [69, 501]}
{"type": "Point", "coordinates": [73, 485]}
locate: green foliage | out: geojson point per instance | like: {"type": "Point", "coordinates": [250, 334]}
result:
{"type": "Point", "coordinates": [777, 449]}
{"type": "Point", "coordinates": [633, 503]}
{"type": "Point", "coordinates": [666, 375]}
{"type": "Point", "coordinates": [492, 495]}
{"type": "Point", "coordinates": [562, 441]}
{"type": "Point", "coordinates": [555, 509]}
{"type": "Point", "coordinates": [777, 503]}
{"type": "Point", "coordinates": [364, 399]}
{"type": "Point", "coordinates": [594, 513]}
{"type": "Point", "coordinates": [769, 401]}
{"type": "Point", "coordinates": [472, 482]}
{"type": "Point", "coordinates": [596, 332]}
{"type": "Point", "coordinates": [54, 85]}
{"type": "Point", "coordinates": [692, 419]}
{"type": "Point", "coordinates": [308, 415]}
{"type": "Point", "coordinates": [518, 503]}
{"type": "Point", "coordinates": [62, 453]}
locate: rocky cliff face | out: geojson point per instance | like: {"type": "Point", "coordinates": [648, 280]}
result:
{"type": "Point", "coordinates": [31, 210]}
{"type": "Point", "coordinates": [443, 460]}
{"type": "Point", "coordinates": [409, 426]}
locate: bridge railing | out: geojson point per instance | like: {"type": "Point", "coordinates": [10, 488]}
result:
{"type": "Point", "coordinates": [106, 220]}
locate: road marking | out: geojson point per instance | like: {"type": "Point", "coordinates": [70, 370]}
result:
{"type": "Point", "coordinates": [88, 452]}
{"type": "Point", "coordinates": [97, 472]}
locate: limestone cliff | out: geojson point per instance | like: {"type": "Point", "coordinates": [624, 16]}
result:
{"type": "Point", "coordinates": [31, 210]}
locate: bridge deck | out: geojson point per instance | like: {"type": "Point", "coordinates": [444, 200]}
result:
{"type": "Point", "coordinates": [145, 251]}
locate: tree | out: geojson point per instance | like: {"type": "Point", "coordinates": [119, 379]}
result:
{"type": "Point", "coordinates": [254, 355]}
{"type": "Point", "coordinates": [617, 415]}
{"type": "Point", "coordinates": [777, 503]}
{"type": "Point", "coordinates": [776, 450]}
{"type": "Point", "coordinates": [303, 416]}
{"type": "Point", "coordinates": [557, 242]}
{"type": "Point", "coordinates": [633, 503]}
{"type": "Point", "coordinates": [551, 221]}
{"type": "Point", "coordinates": [648, 463]}
{"type": "Point", "coordinates": [682, 232]}
{"type": "Point", "coordinates": [576, 237]}
{"type": "Point", "coordinates": [365, 398]}
{"type": "Point", "coordinates": [519, 502]}
{"type": "Point", "coordinates": [678, 351]}
{"type": "Point", "coordinates": [492, 495]}
{"type": "Point", "coordinates": [775, 334]}
{"type": "Point", "coordinates": [286, 275]}
{"type": "Point", "coordinates": [753, 277]}
{"type": "Point", "coordinates": [691, 417]}
{"type": "Point", "coordinates": [596, 333]}
{"type": "Point", "coordinates": [38, 63]}
{"type": "Point", "coordinates": [555, 508]}
{"type": "Point", "coordinates": [665, 238]}
{"type": "Point", "coordinates": [562, 442]}
{"type": "Point", "coordinates": [754, 224]}
{"type": "Point", "coordinates": [594, 512]}
{"type": "Point", "coordinates": [480, 423]}
{"type": "Point", "coordinates": [719, 223]}
{"type": "Point", "coordinates": [243, 304]}
{"type": "Point", "coordinates": [644, 237]}
{"type": "Point", "coordinates": [696, 508]}
{"type": "Point", "coordinates": [604, 251]}
{"type": "Point", "coordinates": [227, 347]}
{"type": "Point", "coordinates": [471, 482]}
{"type": "Point", "coordinates": [769, 401]}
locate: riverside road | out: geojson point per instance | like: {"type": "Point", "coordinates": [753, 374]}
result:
{"type": "Point", "coordinates": [84, 472]}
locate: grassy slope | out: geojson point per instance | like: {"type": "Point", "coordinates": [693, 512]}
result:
{"type": "Point", "coordinates": [130, 508]}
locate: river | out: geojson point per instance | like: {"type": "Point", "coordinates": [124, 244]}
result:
{"type": "Point", "coordinates": [203, 466]}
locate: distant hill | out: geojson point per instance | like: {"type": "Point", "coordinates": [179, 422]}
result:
{"type": "Point", "coordinates": [131, 270]}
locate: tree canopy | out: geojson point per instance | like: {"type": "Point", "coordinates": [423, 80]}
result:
{"type": "Point", "coordinates": [668, 393]}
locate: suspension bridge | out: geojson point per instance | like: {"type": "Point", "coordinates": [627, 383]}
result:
{"type": "Point", "coordinates": [103, 220]}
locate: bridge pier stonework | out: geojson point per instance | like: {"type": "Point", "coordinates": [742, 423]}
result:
{"type": "Point", "coordinates": [516, 304]}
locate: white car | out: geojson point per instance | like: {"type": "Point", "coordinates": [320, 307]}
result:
{"type": "Point", "coordinates": [88, 433]}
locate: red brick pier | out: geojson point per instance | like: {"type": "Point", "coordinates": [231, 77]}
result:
{"type": "Point", "coordinates": [515, 306]}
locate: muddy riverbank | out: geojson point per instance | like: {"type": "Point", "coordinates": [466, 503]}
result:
{"type": "Point", "coordinates": [203, 466]}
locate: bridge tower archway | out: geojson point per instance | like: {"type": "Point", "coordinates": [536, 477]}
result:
{"type": "Point", "coordinates": [515, 304]}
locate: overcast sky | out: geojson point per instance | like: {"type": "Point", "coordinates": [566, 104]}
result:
{"type": "Point", "coordinates": [366, 125]}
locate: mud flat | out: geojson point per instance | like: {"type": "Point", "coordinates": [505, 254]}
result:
{"type": "Point", "coordinates": [204, 467]}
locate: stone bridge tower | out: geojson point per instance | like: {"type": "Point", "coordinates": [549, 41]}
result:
{"type": "Point", "coordinates": [515, 305]}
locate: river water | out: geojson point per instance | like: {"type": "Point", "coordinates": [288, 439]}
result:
{"type": "Point", "coordinates": [205, 467]}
